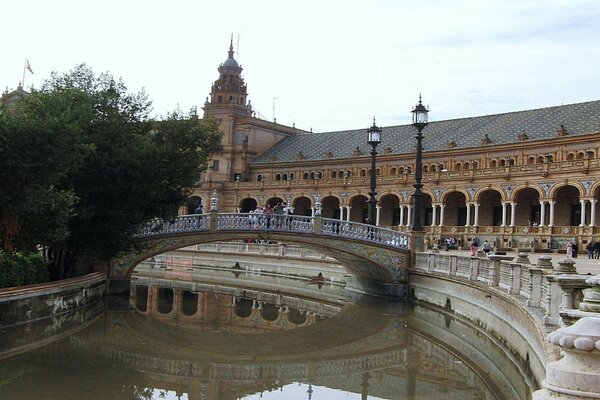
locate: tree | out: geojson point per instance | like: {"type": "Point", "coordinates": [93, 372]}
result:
{"type": "Point", "coordinates": [119, 167]}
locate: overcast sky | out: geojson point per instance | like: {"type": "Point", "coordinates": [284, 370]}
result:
{"type": "Point", "coordinates": [325, 65]}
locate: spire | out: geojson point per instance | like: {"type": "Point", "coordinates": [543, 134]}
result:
{"type": "Point", "coordinates": [231, 47]}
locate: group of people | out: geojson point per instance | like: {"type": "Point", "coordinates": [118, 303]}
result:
{"type": "Point", "coordinates": [486, 247]}
{"type": "Point", "coordinates": [266, 214]}
{"type": "Point", "coordinates": [593, 249]}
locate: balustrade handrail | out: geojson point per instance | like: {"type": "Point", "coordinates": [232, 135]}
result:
{"type": "Point", "coordinates": [278, 223]}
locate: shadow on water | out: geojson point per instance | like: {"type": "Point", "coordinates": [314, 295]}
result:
{"type": "Point", "coordinates": [214, 345]}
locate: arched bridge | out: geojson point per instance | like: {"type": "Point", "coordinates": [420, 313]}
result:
{"type": "Point", "coordinates": [376, 257]}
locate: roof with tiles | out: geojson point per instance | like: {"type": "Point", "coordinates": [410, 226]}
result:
{"type": "Point", "coordinates": [512, 127]}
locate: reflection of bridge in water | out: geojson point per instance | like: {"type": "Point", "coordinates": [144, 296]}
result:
{"type": "Point", "coordinates": [376, 257]}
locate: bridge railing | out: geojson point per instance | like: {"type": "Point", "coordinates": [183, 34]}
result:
{"type": "Point", "coordinates": [277, 223]}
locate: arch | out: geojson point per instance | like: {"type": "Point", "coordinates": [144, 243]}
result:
{"type": "Point", "coordinates": [269, 312]}
{"type": "Point", "coordinates": [248, 204]}
{"type": "Point", "coordinates": [401, 170]}
{"type": "Point", "coordinates": [580, 155]}
{"type": "Point", "coordinates": [243, 308]}
{"type": "Point", "coordinates": [141, 298]}
{"type": "Point", "coordinates": [295, 316]}
{"type": "Point", "coordinates": [530, 160]}
{"type": "Point", "coordinates": [389, 214]}
{"type": "Point", "coordinates": [502, 162]}
{"type": "Point", "coordinates": [305, 175]}
{"type": "Point", "coordinates": [425, 169]}
{"type": "Point", "coordinates": [272, 201]}
{"type": "Point", "coordinates": [330, 207]}
{"type": "Point", "coordinates": [527, 210]}
{"type": "Point", "coordinates": [457, 166]}
{"type": "Point", "coordinates": [557, 187]}
{"type": "Point", "coordinates": [363, 172]}
{"type": "Point", "coordinates": [567, 210]}
{"type": "Point", "coordinates": [540, 159]}
{"type": "Point", "coordinates": [189, 303]}
{"type": "Point", "coordinates": [333, 174]}
{"type": "Point", "coordinates": [284, 177]}
{"type": "Point", "coordinates": [516, 190]}
{"type": "Point", "coordinates": [359, 208]}
{"type": "Point", "coordinates": [164, 300]}
{"type": "Point", "coordinates": [277, 177]}
{"type": "Point", "coordinates": [490, 207]}
{"type": "Point", "coordinates": [455, 213]}
{"type": "Point", "coordinates": [447, 193]}
{"type": "Point", "coordinates": [393, 171]}
{"type": "Point", "coordinates": [302, 205]}
{"type": "Point", "coordinates": [493, 163]}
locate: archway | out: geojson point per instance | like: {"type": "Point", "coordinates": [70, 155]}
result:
{"type": "Point", "coordinates": [567, 211]}
{"type": "Point", "coordinates": [247, 205]}
{"type": "Point", "coordinates": [302, 206]}
{"type": "Point", "coordinates": [490, 208]}
{"type": "Point", "coordinates": [273, 201]}
{"type": "Point", "coordinates": [455, 212]}
{"type": "Point", "coordinates": [389, 215]}
{"type": "Point", "coordinates": [330, 207]}
{"type": "Point", "coordinates": [528, 210]}
{"type": "Point", "coordinates": [360, 209]}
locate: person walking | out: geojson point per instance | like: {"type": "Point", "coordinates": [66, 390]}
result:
{"type": "Point", "coordinates": [597, 249]}
{"type": "Point", "coordinates": [575, 248]}
{"type": "Point", "coordinates": [590, 249]}
{"type": "Point", "coordinates": [486, 247]}
{"type": "Point", "coordinates": [474, 246]}
{"type": "Point", "coordinates": [570, 249]}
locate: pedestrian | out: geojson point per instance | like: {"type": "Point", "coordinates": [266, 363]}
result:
{"type": "Point", "coordinates": [268, 212]}
{"type": "Point", "coordinates": [590, 249]}
{"type": "Point", "coordinates": [570, 249]}
{"type": "Point", "coordinates": [597, 249]}
{"type": "Point", "coordinates": [199, 209]}
{"type": "Point", "coordinates": [486, 247]}
{"type": "Point", "coordinates": [474, 246]}
{"type": "Point", "coordinates": [575, 248]}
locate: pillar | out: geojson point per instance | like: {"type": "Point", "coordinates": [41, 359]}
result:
{"type": "Point", "coordinates": [476, 215]}
{"type": "Point", "coordinates": [593, 212]}
{"type": "Point", "coordinates": [409, 210]}
{"type": "Point", "coordinates": [312, 211]}
{"type": "Point", "coordinates": [442, 206]}
{"type": "Point", "coordinates": [377, 214]}
{"type": "Point", "coordinates": [401, 215]}
{"type": "Point", "coordinates": [468, 222]}
{"type": "Point", "coordinates": [551, 222]}
{"type": "Point", "coordinates": [513, 212]}
{"type": "Point", "coordinates": [434, 216]}
{"type": "Point", "coordinates": [503, 214]}
{"type": "Point", "coordinates": [582, 202]}
{"type": "Point", "coordinates": [348, 208]}
{"type": "Point", "coordinates": [341, 213]}
{"type": "Point", "coordinates": [542, 213]}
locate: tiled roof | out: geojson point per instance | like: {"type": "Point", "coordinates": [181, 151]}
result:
{"type": "Point", "coordinates": [538, 124]}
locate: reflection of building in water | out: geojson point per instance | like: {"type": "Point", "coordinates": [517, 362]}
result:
{"type": "Point", "coordinates": [211, 311]}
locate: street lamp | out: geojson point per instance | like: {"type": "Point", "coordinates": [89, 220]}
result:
{"type": "Point", "coordinates": [419, 122]}
{"type": "Point", "coordinates": [373, 138]}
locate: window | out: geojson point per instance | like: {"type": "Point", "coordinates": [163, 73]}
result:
{"type": "Point", "coordinates": [215, 165]}
{"type": "Point", "coordinates": [333, 174]}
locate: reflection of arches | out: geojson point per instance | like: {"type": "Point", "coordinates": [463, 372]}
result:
{"type": "Point", "coordinates": [330, 207]}
{"type": "Point", "coordinates": [243, 308]}
{"type": "Point", "coordinates": [248, 204]}
{"type": "Point", "coordinates": [528, 209]}
{"type": "Point", "coordinates": [141, 298]}
{"type": "Point", "coordinates": [360, 208]}
{"type": "Point", "coordinates": [189, 303]}
{"type": "Point", "coordinates": [295, 316]}
{"type": "Point", "coordinates": [302, 206]}
{"type": "Point", "coordinates": [567, 211]}
{"type": "Point", "coordinates": [390, 210]}
{"type": "Point", "coordinates": [455, 212]}
{"type": "Point", "coordinates": [490, 208]}
{"type": "Point", "coordinates": [164, 300]}
{"type": "Point", "coordinates": [269, 312]}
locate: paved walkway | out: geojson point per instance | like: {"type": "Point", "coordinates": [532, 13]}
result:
{"type": "Point", "coordinates": [583, 264]}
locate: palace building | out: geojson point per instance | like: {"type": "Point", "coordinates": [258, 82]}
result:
{"type": "Point", "coordinates": [525, 179]}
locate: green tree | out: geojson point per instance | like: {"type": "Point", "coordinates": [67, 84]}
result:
{"type": "Point", "coordinates": [121, 168]}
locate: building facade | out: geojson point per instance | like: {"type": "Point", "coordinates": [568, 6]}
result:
{"type": "Point", "coordinates": [525, 179]}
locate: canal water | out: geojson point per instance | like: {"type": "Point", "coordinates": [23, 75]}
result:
{"type": "Point", "coordinates": [226, 342]}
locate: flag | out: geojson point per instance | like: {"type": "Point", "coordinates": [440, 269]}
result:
{"type": "Point", "coordinates": [28, 66]}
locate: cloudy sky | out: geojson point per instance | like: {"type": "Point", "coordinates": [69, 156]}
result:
{"type": "Point", "coordinates": [321, 64]}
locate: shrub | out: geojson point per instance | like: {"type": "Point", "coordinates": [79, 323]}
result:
{"type": "Point", "coordinates": [22, 269]}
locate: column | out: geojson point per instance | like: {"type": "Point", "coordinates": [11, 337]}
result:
{"type": "Point", "coordinates": [542, 213]}
{"type": "Point", "coordinates": [593, 212]}
{"type": "Point", "coordinates": [401, 215]}
{"type": "Point", "coordinates": [513, 212]}
{"type": "Point", "coordinates": [476, 215]}
{"type": "Point", "coordinates": [582, 202]}
{"type": "Point", "coordinates": [551, 222]}
{"type": "Point", "coordinates": [312, 211]}
{"type": "Point", "coordinates": [377, 214]}
{"type": "Point", "coordinates": [409, 210]}
{"type": "Point", "coordinates": [468, 223]}
{"type": "Point", "coordinates": [348, 208]}
{"type": "Point", "coordinates": [434, 216]}
{"type": "Point", "coordinates": [442, 206]}
{"type": "Point", "coordinates": [503, 214]}
{"type": "Point", "coordinates": [341, 213]}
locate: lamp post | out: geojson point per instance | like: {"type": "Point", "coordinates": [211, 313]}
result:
{"type": "Point", "coordinates": [373, 138]}
{"type": "Point", "coordinates": [419, 122]}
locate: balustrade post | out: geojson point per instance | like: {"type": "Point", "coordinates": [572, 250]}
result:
{"type": "Point", "coordinates": [534, 288]}
{"type": "Point", "coordinates": [213, 211]}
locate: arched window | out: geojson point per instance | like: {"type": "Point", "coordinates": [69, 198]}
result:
{"type": "Point", "coordinates": [474, 164]}
{"type": "Point", "coordinates": [277, 177]}
{"type": "Point", "coordinates": [531, 160]}
{"type": "Point", "coordinates": [333, 174]}
{"type": "Point", "coordinates": [458, 166]}
{"type": "Point", "coordinates": [363, 172]}
{"type": "Point", "coordinates": [401, 170]}
{"type": "Point", "coordinates": [570, 156]}
{"type": "Point", "coordinates": [580, 155]}
{"type": "Point", "coordinates": [493, 164]}
{"type": "Point", "coordinates": [393, 171]}
{"type": "Point", "coordinates": [425, 168]}
{"type": "Point", "coordinates": [378, 171]}
{"type": "Point", "coordinates": [305, 175]}
{"type": "Point", "coordinates": [312, 175]}
{"type": "Point", "coordinates": [291, 176]}
{"type": "Point", "coordinates": [284, 177]}
{"type": "Point", "coordinates": [540, 159]}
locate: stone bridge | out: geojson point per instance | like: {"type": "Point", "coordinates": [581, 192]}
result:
{"type": "Point", "coordinates": [377, 258]}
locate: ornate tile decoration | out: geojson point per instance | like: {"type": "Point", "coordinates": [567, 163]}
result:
{"type": "Point", "coordinates": [587, 185]}
{"type": "Point", "coordinates": [508, 189]}
{"type": "Point", "coordinates": [547, 186]}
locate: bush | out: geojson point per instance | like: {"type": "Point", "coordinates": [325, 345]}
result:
{"type": "Point", "coordinates": [22, 269]}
